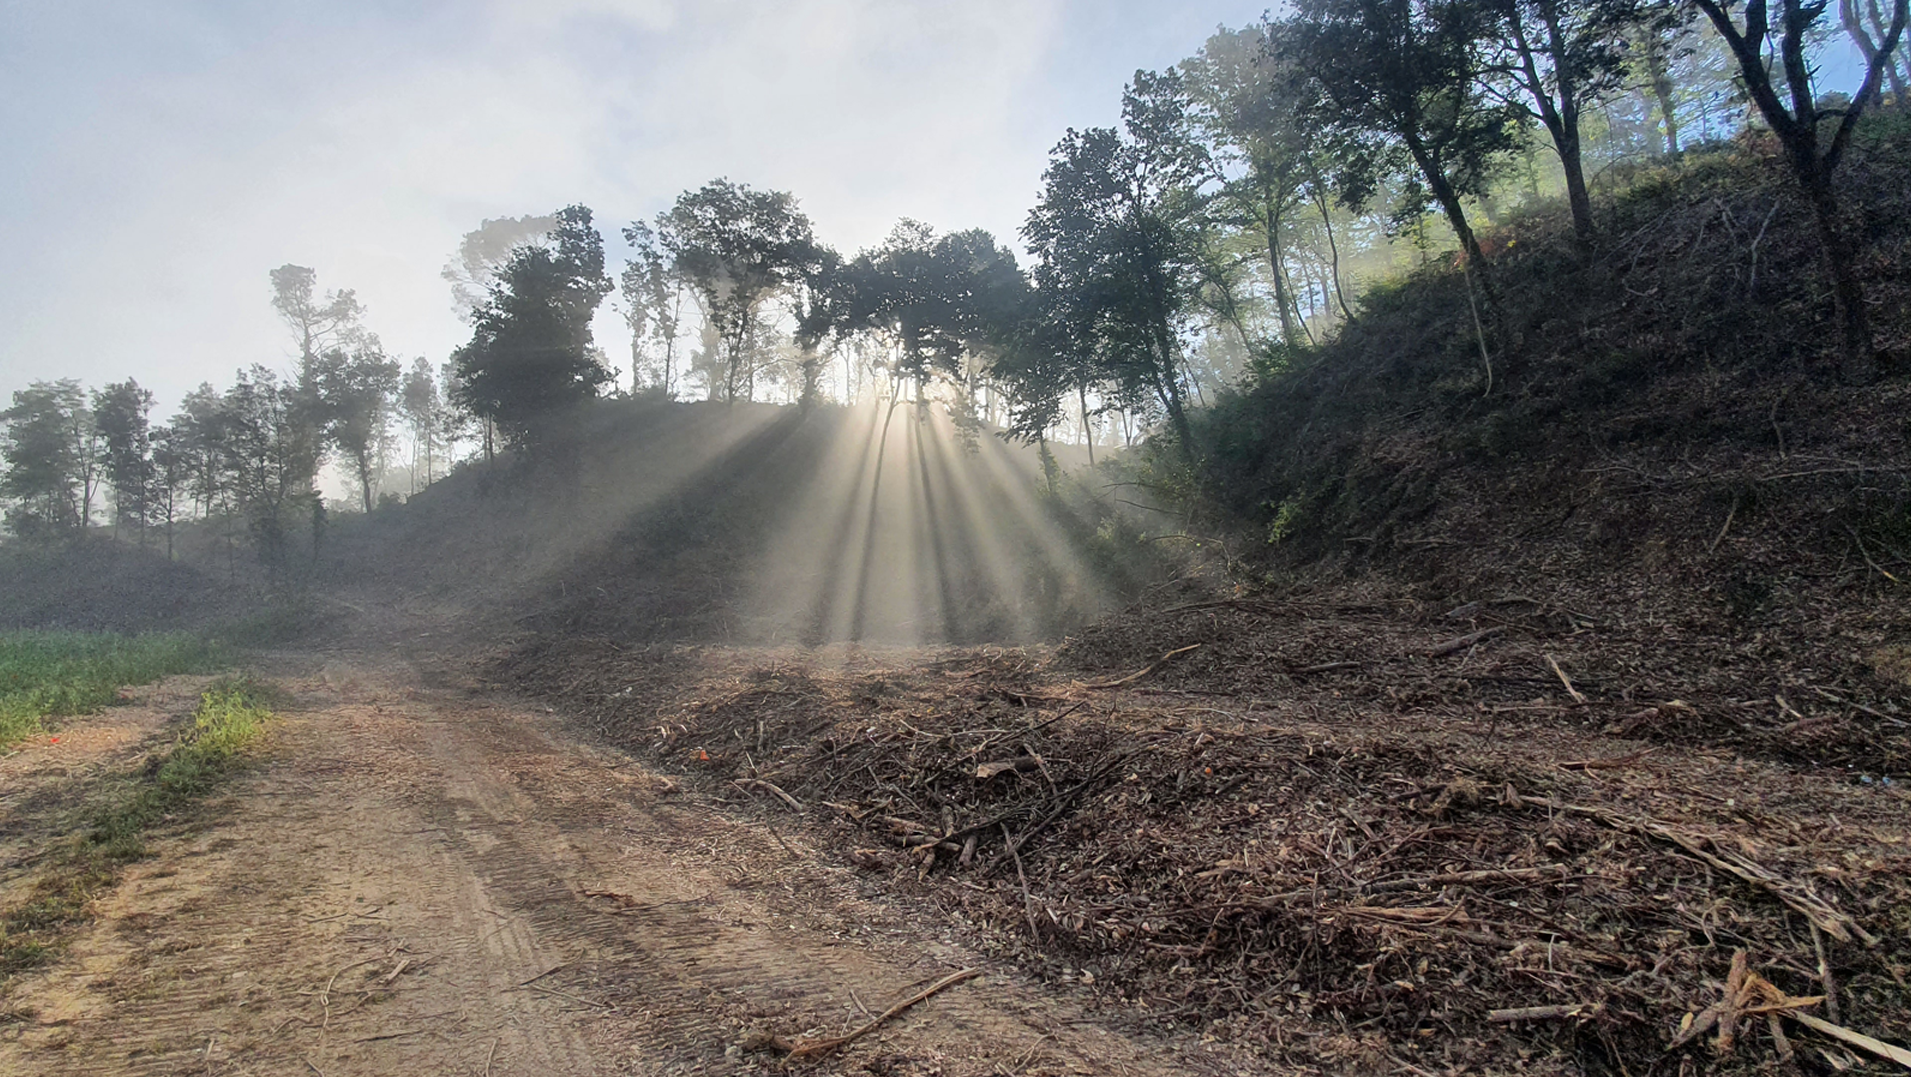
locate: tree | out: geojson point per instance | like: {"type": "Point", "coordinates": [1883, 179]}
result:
{"type": "Point", "coordinates": [1799, 128]}
{"type": "Point", "coordinates": [172, 470]}
{"type": "Point", "coordinates": [1116, 240]}
{"type": "Point", "coordinates": [1865, 24]}
{"type": "Point", "coordinates": [1240, 89]}
{"type": "Point", "coordinates": [531, 358]}
{"type": "Point", "coordinates": [1555, 57]}
{"type": "Point", "coordinates": [355, 391]}
{"type": "Point", "coordinates": [736, 247]}
{"type": "Point", "coordinates": [653, 301]}
{"type": "Point", "coordinates": [317, 322]}
{"type": "Point", "coordinates": [1396, 86]}
{"type": "Point", "coordinates": [454, 420]}
{"type": "Point", "coordinates": [423, 408]}
{"type": "Point", "coordinates": [271, 453]}
{"type": "Point", "coordinates": [938, 299]}
{"type": "Point", "coordinates": [484, 251]}
{"type": "Point", "coordinates": [197, 434]}
{"type": "Point", "coordinates": [50, 451]}
{"type": "Point", "coordinates": [122, 414]}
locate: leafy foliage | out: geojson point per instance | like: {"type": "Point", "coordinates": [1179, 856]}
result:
{"type": "Point", "coordinates": [531, 355]}
{"type": "Point", "coordinates": [736, 247]}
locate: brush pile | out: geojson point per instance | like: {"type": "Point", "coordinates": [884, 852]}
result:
{"type": "Point", "coordinates": [1361, 842]}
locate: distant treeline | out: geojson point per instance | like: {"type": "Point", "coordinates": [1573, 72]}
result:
{"type": "Point", "coordinates": [1218, 233]}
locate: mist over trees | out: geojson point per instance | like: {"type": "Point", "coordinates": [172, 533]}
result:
{"type": "Point", "coordinates": [1232, 220]}
{"type": "Point", "coordinates": [531, 355]}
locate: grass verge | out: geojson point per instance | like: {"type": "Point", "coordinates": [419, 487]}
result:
{"type": "Point", "coordinates": [50, 674]}
{"type": "Point", "coordinates": [231, 714]}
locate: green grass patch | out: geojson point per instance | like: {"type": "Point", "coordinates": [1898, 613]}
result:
{"type": "Point", "coordinates": [231, 714]}
{"type": "Point", "coordinates": [51, 674]}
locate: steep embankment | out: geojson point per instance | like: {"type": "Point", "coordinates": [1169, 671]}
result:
{"type": "Point", "coordinates": [1662, 486]}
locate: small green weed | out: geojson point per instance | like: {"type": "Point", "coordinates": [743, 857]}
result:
{"type": "Point", "coordinates": [49, 674]}
{"type": "Point", "coordinates": [231, 714]}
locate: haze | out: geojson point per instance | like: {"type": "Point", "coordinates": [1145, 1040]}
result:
{"type": "Point", "coordinates": [165, 157]}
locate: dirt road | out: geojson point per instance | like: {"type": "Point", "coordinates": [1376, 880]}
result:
{"type": "Point", "coordinates": [418, 878]}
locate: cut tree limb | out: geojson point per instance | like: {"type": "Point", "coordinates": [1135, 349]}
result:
{"type": "Point", "coordinates": [1578, 696]}
{"type": "Point", "coordinates": [1145, 670]}
{"type": "Point", "coordinates": [1857, 1039]}
{"type": "Point", "coordinates": [1578, 1010]}
{"type": "Point", "coordinates": [809, 1047]}
{"type": "Point", "coordinates": [771, 788]}
{"type": "Point", "coordinates": [1454, 646]}
{"type": "Point", "coordinates": [1829, 920]}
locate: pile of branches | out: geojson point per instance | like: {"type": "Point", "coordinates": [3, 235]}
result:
{"type": "Point", "coordinates": [1337, 885]}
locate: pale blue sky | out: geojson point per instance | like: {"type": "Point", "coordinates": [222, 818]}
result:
{"type": "Point", "coordinates": [162, 157]}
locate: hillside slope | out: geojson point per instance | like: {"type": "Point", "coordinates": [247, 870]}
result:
{"type": "Point", "coordinates": [1664, 488]}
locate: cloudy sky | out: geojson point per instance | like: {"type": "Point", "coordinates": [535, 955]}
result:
{"type": "Point", "coordinates": [162, 157]}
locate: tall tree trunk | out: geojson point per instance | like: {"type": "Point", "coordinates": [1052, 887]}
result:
{"type": "Point", "coordinates": [1854, 19]}
{"type": "Point", "coordinates": [1659, 75]}
{"type": "Point", "coordinates": [1333, 248]}
{"type": "Point", "coordinates": [1088, 432]}
{"type": "Point", "coordinates": [1797, 128]}
{"type": "Point", "coordinates": [1449, 201]}
{"type": "Point", "coordinates": [1560, 116]}
{"type": "Point", "coordinates": [1857, 364]}
{"type": "Point", "coordinates": [1274, 260]}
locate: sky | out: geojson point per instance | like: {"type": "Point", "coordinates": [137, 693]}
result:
{"type": "Point", "coordinates": [162, 157]}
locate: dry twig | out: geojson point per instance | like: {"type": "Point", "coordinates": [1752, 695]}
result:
{"type": "Point", "coordinates": [1145, 670]}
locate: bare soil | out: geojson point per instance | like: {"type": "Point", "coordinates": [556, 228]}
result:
{"type": "Point", "coordinates": [420, 875]}
{"type": "Point", "coordinates": [1323, 833]}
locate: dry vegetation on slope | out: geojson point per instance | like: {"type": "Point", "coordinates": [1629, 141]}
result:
{"type": "Point", "coordinates": [1352, 879]}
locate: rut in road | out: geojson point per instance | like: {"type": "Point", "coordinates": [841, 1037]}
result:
{"type": "Point", "coordinates": [422, 879]}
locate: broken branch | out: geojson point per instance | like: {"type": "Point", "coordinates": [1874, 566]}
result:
{"type": "Point", "coordinates": [1145, 670]}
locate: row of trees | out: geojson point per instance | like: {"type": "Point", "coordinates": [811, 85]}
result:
{"type": "Point", "coordinates": [1222, 223]}
{"type": "Point", "coordinates": [249, 455]}
{"type": "Point", "coordinates": [1223, 215]}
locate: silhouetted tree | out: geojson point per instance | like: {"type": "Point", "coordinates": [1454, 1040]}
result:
{"type": "Point", "coordinates": [1116, 238]}
{"type": "Point", "coordinates": [1396, 86]}
{"type": "Point", "coordinates": [198, 436]}
{"type": "Point", "coordinates": [171, 478]}
{"type": "Point", "coordinates": [423, 408]}
{"type": "Point", "coordinates": [531, 359]}
{"type": "Point", "coordinates": [122, 413]}
{"type": "Point", "coordinates": [939, 299]}
{"type": "Point", "coordinates": [1800, 128]}
{"type": "Point", "coordinates": [355, 391]}
{"type": "Point", "coordinates": [317, 322]}
{"type": "Point", "coordinates": [736, 247]}
{"type": "Point", "coordinates": [483, 251]}
{"type": "Point", "coordinates": [272, 450]}
{"type": "Point", "coordinates": [51, 455]}
{"type": "Point", "coordinates": [1242, 93]}
{"type": "Point", "coordinates": [652, 300]}
{"type": "Point", "coordinates": [1868, 26]}
{"type": "Point", "coordinates": [1552, 58]}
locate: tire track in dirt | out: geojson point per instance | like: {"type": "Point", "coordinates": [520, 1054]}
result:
{"type": "Point", "coordinates": [417, 879]}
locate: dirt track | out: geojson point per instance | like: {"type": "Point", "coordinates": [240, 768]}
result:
{"type": "Point", "coordinates": [418, 879]}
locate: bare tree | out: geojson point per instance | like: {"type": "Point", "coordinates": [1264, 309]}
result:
{"type": "Point", "coordinates": [1799, 127]}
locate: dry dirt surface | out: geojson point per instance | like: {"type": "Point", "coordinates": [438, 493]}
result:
{"type": "Point", "coordinates": [418, 877]}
